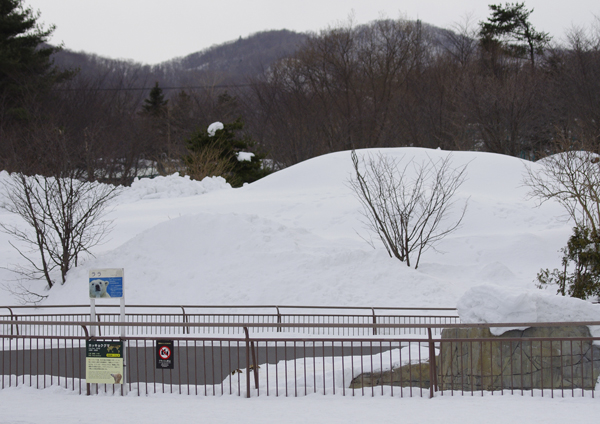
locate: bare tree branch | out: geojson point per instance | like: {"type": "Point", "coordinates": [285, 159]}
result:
{"type": "Point", "coordinates": [407, 213]}
{"type": "Point", "coordinates": [64, 217]}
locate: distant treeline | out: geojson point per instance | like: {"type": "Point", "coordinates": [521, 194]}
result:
{"type": "Point", "coordinates": [384, 84]}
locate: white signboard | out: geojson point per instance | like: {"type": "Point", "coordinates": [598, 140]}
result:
{"type": "Point", "coordinates": [106, 283]}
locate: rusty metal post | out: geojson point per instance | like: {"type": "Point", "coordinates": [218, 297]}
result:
{"type": "Point", "coordinates": [278, 319]}
{"type": "Point", "coordinates": [432, 365]}
{"type": "Point", "coordinates": [13, 317]}
{"type": "Point", "coordinates": [374, 322]}
{"type": "Point", "coordinates": [247, 362]}
{"type": "Point", "coordinates": [186, 329]}
{"type": "Point", "coordinates": [254, 364]}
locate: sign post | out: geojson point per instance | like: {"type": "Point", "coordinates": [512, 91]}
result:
{"type": "Point", "coordinates": [109, 284]}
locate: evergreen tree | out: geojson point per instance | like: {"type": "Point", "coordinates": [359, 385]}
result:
{"type": "Point", "coordinates": [155, 105]}
{"type": "Point", "coordinates": [25, 63]}
{"type": "Point", "coordinates": [509, 28]}
{"type": "Point", "coordinates": [580, 276]}
{"type": "Point", "coordinates": [228, 144]}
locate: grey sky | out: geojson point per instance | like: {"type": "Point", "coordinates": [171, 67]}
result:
{"type": "Point", "coordinates": [152, 31]}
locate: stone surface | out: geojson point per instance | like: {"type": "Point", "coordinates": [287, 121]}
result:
{"type": "Point", "coordinates": [486, 363]}
{"type": "Point", "coordinates": [411, 375]}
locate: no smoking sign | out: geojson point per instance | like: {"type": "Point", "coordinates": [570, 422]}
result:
{"type": "Point", "coordinates": [164, 354]}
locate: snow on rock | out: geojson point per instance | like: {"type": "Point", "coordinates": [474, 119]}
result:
{"type": "Point", "coordinates": [496, 304]}
{"type": "Point", "coordinates": [214, 127]}
{"type": "Point", "coordinates": [171, 186]}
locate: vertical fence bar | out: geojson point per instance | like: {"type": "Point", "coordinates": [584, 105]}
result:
{"type": "Point", "coordinates": [247, 362]}
{"type": "Point", "coordinates": [551, 373]}
{"type": "Point", "coordinates": [541, 366]}
{"type": "Point", "coordinates": [593, 383]}
{"type": "Point", "coordinates": [432, 370]}
{"type": "Point", "coordinates": [17, 362]}
{"type": "Point", "coordinates": [572, 372]}
{"type": "Point", "coordinates": [582, 369]}
{"type": "Point", "coordinates": [392, 371]}
{"type": "Point", "coordinates": [410, 377]}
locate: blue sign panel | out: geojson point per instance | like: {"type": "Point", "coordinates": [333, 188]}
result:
{"type": "Point", "coordinates": [106, 283]}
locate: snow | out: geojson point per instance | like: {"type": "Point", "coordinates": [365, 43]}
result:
{"type": "Point", "coordinates": [24, 405]}
{"type": "Point", "coordinates": [171, 186]}
{"type": "Point", "coordinates": [214, 127]}
{"type": "Point", "coordinates": [491, 303]}
{"type": "Point", "coordinates": [297, 237]}
{"type": "Point", "coordinates": [244, 156]}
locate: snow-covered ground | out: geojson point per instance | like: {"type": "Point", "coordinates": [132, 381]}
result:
{"type": "Point", "coordinates": [296, 237]}
{"type": "Point", "coordinates": [25, 406]}
{"type": "Point", "coordinates": [53, 406]}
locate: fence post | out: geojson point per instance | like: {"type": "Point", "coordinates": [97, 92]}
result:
{"type": "Point", "coordinates": [278, 319]}
{"type": "Point", "coordinates": [374, 322]}
{"type": "Point", "coordinates": [254, 361]}
{"type": "Point", "coordinates": [432, 365]}
{"type": "Point", "coordinates": [186, 329]}
{"type": "Point", "coordinates": [13, 317]}
{"type": "Point", "coordinates": [247, 362]}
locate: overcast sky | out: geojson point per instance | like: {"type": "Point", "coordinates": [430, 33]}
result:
{"type": "Point", "coordinates": [152, 31]}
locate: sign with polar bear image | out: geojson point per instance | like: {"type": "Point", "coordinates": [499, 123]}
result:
{"type": "Point", "coordinates": [106, 283]}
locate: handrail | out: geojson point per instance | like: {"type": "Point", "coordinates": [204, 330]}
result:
{"type": "Point", "coordinates": [369, 308]}
{"type": "Point", "coordinates": [12, 316]}
{"type": "Point", "coordinates": [309, 325]}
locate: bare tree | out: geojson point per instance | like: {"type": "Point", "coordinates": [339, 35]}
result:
{"type": "Point", "coordinates": [64, 217]}
{"type": "Point", "coordinates": [408, 213]}
{"type": "Point", "coordinates": [572, 178]}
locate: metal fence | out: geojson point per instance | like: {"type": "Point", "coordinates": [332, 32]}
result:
{"type": "Point", "coordinates": [266, 363]}
{"type": "Point", "coordinates": [169, 319]}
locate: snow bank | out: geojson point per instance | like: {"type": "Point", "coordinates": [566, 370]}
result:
{"type": "Point", "coordinates": [325, 374]}
{"type": "Point", "coordinates": [171, 186]}
{"type": "Point", "coordinates": [297, 237]}
{"type": "Point", "coordinates": [495, 304]}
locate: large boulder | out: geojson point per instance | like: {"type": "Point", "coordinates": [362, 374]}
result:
{"type": "Point", "coordinates": [488, 363]}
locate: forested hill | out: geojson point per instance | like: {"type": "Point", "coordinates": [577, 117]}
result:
{"type": "Point", "coordinates": [230, 62]}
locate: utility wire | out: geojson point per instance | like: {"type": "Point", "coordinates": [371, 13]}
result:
{"type": "Point", "coordinates": [188, 87]}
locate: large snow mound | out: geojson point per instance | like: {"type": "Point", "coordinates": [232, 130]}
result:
{"type": "Point", "coordinates": [297, 237]}
{"type": "Point", "coordinates": [496, 304]}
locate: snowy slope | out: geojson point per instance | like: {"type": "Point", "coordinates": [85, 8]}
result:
{"type": "Point", "coordinates": [296, 238]}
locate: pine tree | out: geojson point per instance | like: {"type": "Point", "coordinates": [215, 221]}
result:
{"type": "Point", "coordinates": [509, 28]}
{"type": "Point", "coordinates": [25, 61]}
{"type": "Point", "coordinates": [155, 105]}
{"type": "Point", "coordinates": [580, 276]}
{"type": "Point", "coordinates": [225, 146]}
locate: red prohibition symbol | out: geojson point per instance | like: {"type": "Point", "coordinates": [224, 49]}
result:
{"type": "Point", "coordinates": [164, 352]}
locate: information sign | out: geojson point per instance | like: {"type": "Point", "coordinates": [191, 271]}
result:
{"type": "Point", "coordinates": [106, 283]}
{"type": "Point", "coordinates": [104, 362]}
{"type": "Point", "coordinates": [164, 354]}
